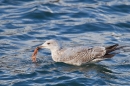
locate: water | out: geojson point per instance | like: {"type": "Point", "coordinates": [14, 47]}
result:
{"type": "Point", "coordinates": [25, 24]}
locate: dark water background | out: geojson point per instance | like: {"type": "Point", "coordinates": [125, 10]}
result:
{"type": "Point", "coordinates": [25, 24]}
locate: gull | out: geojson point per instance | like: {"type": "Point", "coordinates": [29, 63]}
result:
{"type": "Point", "coordinates": [78, 55]}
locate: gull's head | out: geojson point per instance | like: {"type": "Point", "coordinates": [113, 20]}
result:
{"type": "Point", "coordinates": [51, 44]}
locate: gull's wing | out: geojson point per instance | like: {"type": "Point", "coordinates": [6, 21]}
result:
{"type": "Point", "coordinates": [79, 55]}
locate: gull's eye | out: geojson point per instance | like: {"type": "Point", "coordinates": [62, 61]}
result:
{"type": "Point", "coordinates": [48, 43]}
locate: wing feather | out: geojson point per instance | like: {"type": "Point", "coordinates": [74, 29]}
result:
{"type": "Point", "coordinates": [82, 54]}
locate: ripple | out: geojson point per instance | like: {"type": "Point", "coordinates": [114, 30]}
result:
{"type": "Point", "coordinates": [26, 24]}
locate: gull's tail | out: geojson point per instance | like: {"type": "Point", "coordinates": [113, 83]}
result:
{"type": "Point", "coordinates": [109, 49]}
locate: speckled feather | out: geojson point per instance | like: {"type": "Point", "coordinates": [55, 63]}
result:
{"type": "Point", "coordinates": [78, 55]}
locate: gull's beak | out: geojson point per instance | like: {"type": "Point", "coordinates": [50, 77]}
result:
{"type": "Point", "coordinates": [39, 47]}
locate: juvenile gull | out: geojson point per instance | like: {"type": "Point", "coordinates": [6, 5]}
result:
{"type": "Point", "coordinates": [75, 55]}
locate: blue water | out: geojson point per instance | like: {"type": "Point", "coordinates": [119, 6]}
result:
{"type": "Point", "coordinates": [25, 24]}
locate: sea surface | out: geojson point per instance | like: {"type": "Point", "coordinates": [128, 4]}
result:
{"type": "Point", "coordinates": [26, 24]}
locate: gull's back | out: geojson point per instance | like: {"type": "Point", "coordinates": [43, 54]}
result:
{"type": "Point", "coordinates": [80, 55]}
